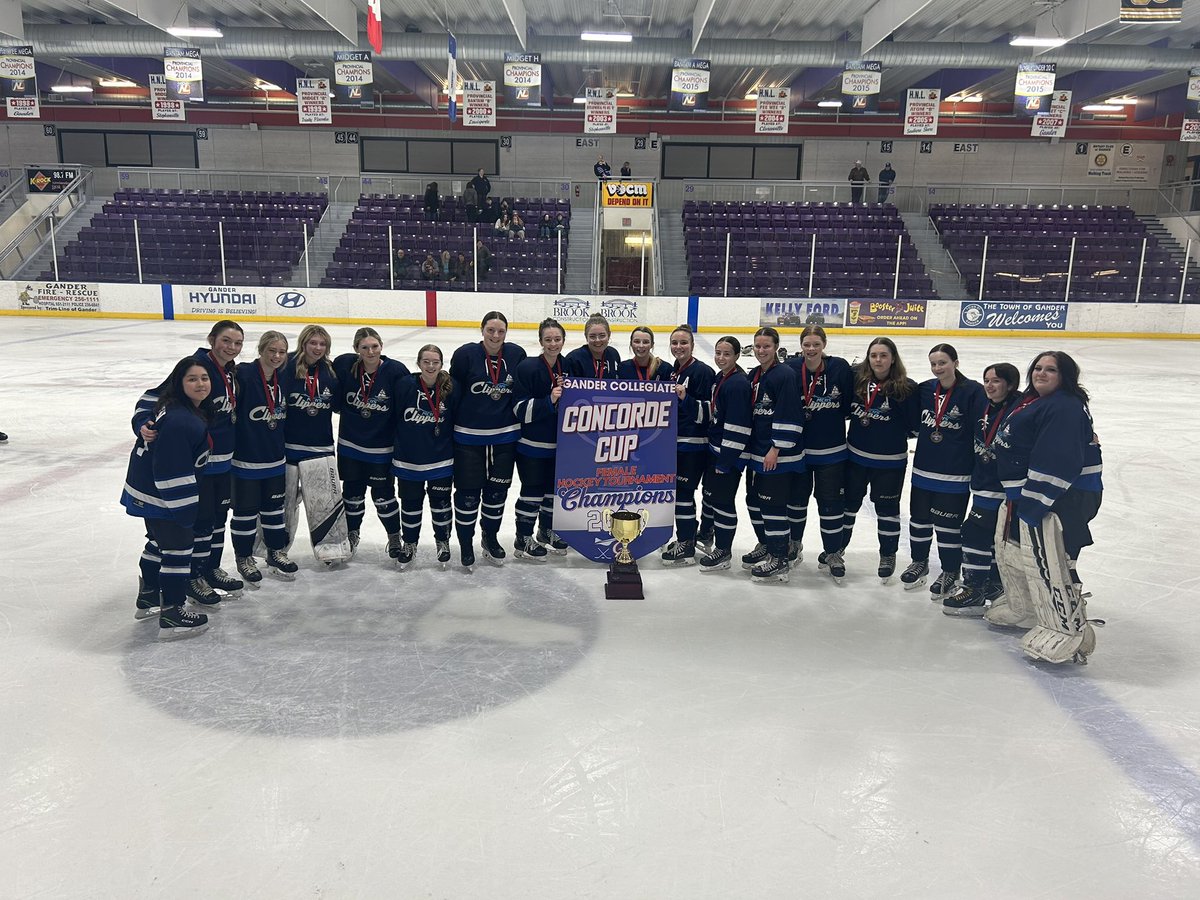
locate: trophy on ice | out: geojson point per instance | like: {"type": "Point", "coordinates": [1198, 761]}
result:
{"type": "Point", "coordinates": [624, 579]}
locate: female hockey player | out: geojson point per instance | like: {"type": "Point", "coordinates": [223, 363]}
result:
{"type": "Point", "coordinates": [883, 416]}
{"type": "Point", "coordinates": [597, 359]}
{"type": "Point", "coordinates": [644, 366]}
{"type": "Point", "coordinates": [950, 405]}
{"type": "Point", "coordinates": [162, 486]}
{"type": "Point", "coordinates": [538, 389]}
{"type": "Point", "coordinates": [694, 380]}
{"type": "Point", "coordinates": [485, 436]}
{"type": "Point", "coordinates": [366, 430]}
{"type": "Point", "coordinates": [258, 462]}
{"type": "Point", "coordinates": [1049, 463]}
{"type": "Point", "coordinates": [826, 386]}
{"type": "Point", "coordinates": [728, 415]}
{"type": "Point", "coordinates": [775, 458]}
{"type": "Point", "coordinates": [981, 581]}
{"type": "Point", "coordinates": [423, 458]}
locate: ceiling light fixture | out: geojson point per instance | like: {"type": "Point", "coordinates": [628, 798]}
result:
{"type": "Point", "coordinates": [626, 95]}
{"type": "Point", "coordinates": [614, 37]}
{"type": "Point", "coordinates": [830, 104]}
{"type": "Point", "coordinates": [266, 86]}
{"type": "Point", "coordinates": [199, 31]}
{"type": "Point", "coordinates": [71, 88]}
{"type": "Point", "coordinates": [1103, 107]}
{"type": "Point", "coordinates": [751, 95]}
{"type": "Point", "coordinates": [965, 98]}
{"type": "Point", "coordinates": [116, 83]}
{"type": "Point", "coordinates": [1047, 43]}
{"type": "Point", "coordinates": [1123, 101]}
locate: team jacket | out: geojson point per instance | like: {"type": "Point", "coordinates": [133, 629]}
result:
{"type": "Point", "coordinates": [485, 412]}
{"type": "Point", "coordinates": [731, 420]}
{"type": "Point", "coordinates": [945, 467]}
{"type": "Point", "coordinates": [535, 412]}
{"type": "Point", "coordinates": [258, 448]}
{"type": "Point", "coordinates": [1093, 466]}
{"type": "Point", "coordinates": [829, 394]}
{"type": "Point", "coordinates": [692, 428]}
{"type": "Point", "coordinates": [311, 401]}
{"type": "Point", "coordinates": [161, 480]}
{"type": "Point", "coordinates": [581, 364]}
{"type": "Point", "coordinates": [1040, 451]}
{"type": "Point", "coordinates": [220, 428]}
{"type": "Point", "coordinates": [986, 490]}
{"type": "Point", "coordinates": [420, 454]}
{"type": "Point", "coordinates": [777, 418]}
{"type": "Point", "coordinates": [367, 425]}
{"type": "Point", "coordinates": [884, 443]}
{"type": "Point", "coordinates": [629, 370]}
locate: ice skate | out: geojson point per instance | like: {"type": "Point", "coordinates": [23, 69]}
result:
{"type": "Point", "coordinates": [492, 551]}
{"type": "Point", "coordinates": [835, 566]}
{"type": "Point", "coordinates": [200, 594]}
{"type": "Point", "coordinates": [717, 561]}
{"type": "Point", "coordinates": [443, 554]}
{"type": "Point", "coordinates": [405, 555]}
{"type": "Point", "coordinates": [966, 602]}
{"type": "Point", "coordinates": [773, 568]}
{"type": "Point", "coordinates": [148, 601]}
{"type": "Point", "coordinates": [176, 622]}
{"type": "Point", "coordinates": [887, 568]}
{"type": "Point", "coordinates": [795, 554]}
{"type": "Point", "coordinates": [221, 581]}
{"type": "Point", "coordinates": [280, 566]}
{"type": "Point", "coordinates": [526, 548]}
{"type": "Point", "coordinates": [552, 542]}
{"type": "Point", "coordinates": [915, 575]}
{"type": "Point", "coordinates": [754, 557]}
{"type": "Point", "coordinates": [943, 587]}
{"type": "Point", "coordinates": [249, 571]}
{"type": "Point", "coordinates": [679, 554]}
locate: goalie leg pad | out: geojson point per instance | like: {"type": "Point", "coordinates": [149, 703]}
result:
{"type": "Point", "coordinates": [1015, 608]}
{"type": "Point", "coordinates": [325, 509]}
{"type": "Point", "coordinates": [1062, 633]}
{"type": "Point", "coordinates": [291, 503]}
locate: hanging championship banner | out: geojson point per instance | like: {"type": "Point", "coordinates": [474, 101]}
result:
{"type": "Point", "coordinates": [600, 111]}
{"type": "Point", "coordinates": [616, 451]}
{"type": "Point", "coordinates": [162, 107]}
{"type": "Point", "coordinates": [689, 84]}
{"type": "Point", "coordinates": [922, 110]}
{"type": "Point", "coordinates": [452, 78]}
{"type": "Point", "coordinates": [479, 104]}
{"type": "Point", "coordinates": [861, 79]}
{"type": "Point", "coordinates": [1191, 110]}
{"type": "Point", "coordinates": [353, 76]}
{"type": "Point", "coordinates": [1035, 86]}
{"type": "Point", "coordinates": [184, 73]}
{"type": "Point", "coordinates": [19, 82]}
{"type": "Point", "coordinates": [523, 79]}
{"type": "Point", "coordinates": [1053, 124]}
{"type": "Point", "coordinates": [312, 101]}
{"type": "Point", "coordinates": [772, 110]}
{"type": "Point", "coordinates": [1153, 12]}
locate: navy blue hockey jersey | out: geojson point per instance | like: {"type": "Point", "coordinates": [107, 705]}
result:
{"type": "Point", "coordinates": [945, 454]}
{"type": "Point", "coordinates": [424, 440]}
{"type": "Point", "coordinates": [629, 370]}
{"type": "Point", "coordinates": [367, 425]}
{"type": "Point", "coordinates": [485, 412]}
{"type": "Point", "coordinates": [880, 427]}
{"type": "Point", "coordinates": [825, 396]}
{"type": "Point", "coordinates": [731, 417]}
{"type": "Point", "coordinates": [986, 490]}
{"type": "Point", "coordinates": [534, 411]}
{"type": "Point", "coordinates": [262, 411]}
{"type": "Point", "coordinates": [161, 479]}
{"type": "Point", "coordinates": [692, 426]}
{"type": "Point", "coordinates": [311, 401]}
{"type": "Point", "coordinates": [581, 364]}
{"type": "Point", "coordinates": [777, 419]}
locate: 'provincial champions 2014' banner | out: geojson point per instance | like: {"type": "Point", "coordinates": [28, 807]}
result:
{"type": "Point", "coordinates": [184, 72]}
{"type": "Point", "coordinates": [616, 450]}
{"type": "Point", "coordinates": [353, 76]}
{"type": "Point", "coordinates": [19, 82]}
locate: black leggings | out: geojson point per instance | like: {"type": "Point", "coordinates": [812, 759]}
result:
{"type": "Point", "coordinates": [481, 471]}
{"type": "Point", "coordinates": [167, 560]}
{"type": "Point", "coordinates": [258, 501]}
{"type": "Point", "coordinates": [412, 498]}
{"type": "Point", "coordinates": [978, 539]}
{"type": "Point", "coordinates": [886, 485]}
{"type": "Point", "coordinates": [215, 497]}
{"type": "Point", "coordinates": [930, 511]}
{"type": "Point", "coordinates": [356, 475]}
{"type": "Point", "coordinates": [769, 493]}
{"type": "Point", "coordinates": [720, 491]}
{"type": "Point", "coordinates": [689, 470]}
{"type": "Point", "coordinates": [829, 482]}
{"type": "Point", "coordinates": [535, 503]}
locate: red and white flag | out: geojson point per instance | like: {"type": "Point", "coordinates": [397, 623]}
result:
{"type": "Point", "coordinates": [375, 25]}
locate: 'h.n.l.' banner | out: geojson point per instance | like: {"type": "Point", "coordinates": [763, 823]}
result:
{"type": "Point", "coordinates": [600, 111]}
{"type": "Point", "coordinates": [184, 73]}
{"type": "Point", "coordinates": [479, 104]}
{"type": "Point", "coordinates": [19, 80]}
{"type": "Point", "coordinates": [921, 111]}
{"type": "Point", "coordinates": [1034, 88]}
{"type": "Point", "coordinates": [1191, 112]}
{"type": "Point", "coordinates": [616, 451]}
{"type": "Point", "coordinates": [353, 77]}
{"type": "Point", "coordinates": [772, 110]}
{"type": "Point", "coordinates": [861, 80]}
{"type": "Point", "coordinates": [689, 84]}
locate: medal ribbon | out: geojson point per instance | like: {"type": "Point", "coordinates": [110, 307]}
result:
{"type": "Point", "coordinates": [494, 368]}
{"type": "Point", "coordinates": [269, 390]}
{"type": "Point", "coordinates": [228, 379]}
{"type": "Point", "coordinates": [717, 390]}
{"type": "Point", "coordinates": [990, 433]}
{"type": "Point", "coordinates": [810, 387]}
{"type": "Point", "coordinates": [366, 385]}
{"type": "Point", "coordinates": [939, 405]}
{"type": "Point", "coordinates": [873, 391]}
{"type": "Point", "coordinates": [434, 399]}
{"type": "Point", "coordinates": [642, 374]}
{"type": "Point", "coordinates": [678, 376]}
{"type": "Point", "coordinates": [311, 383]}
{"type": "Point", "coordinates": [599, 366]}
{"type": "Point", "coordinates": [555, 371]}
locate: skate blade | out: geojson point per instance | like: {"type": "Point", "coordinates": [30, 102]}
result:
{"type": "Point", "coordinates": [792, 563]}
{"type": "Point", "coordinates": [175, 634]}
{"type": "Point", "coordinates": [886, 579]}
{"type": "Point", "coordinates": [964, 612]}
{"type": "Point", "coordinates": [782, 578]}
{"type": "Point", "coordinates": [837, 579]}
{"type": "Point", "coordinates": [678, 563]}
{"type": "Point", "coordinates": [403, 567]}
{"type": "Point", "coordinates": [142, 615]}
{"type": "Point", "coordinates": [709, 570]}
{"type": "Point", "coordinates": [555, 552]}
{"type": "Point", "coordinates": [493, 561]}
{"type": "Point", "coordinates": [912, 587]}
{"type": "Point", "coordinates": [282, 576]}
{"type": "Point", "coordinates": [518, 554]}
{"type": "Point", "coordinates": [204, 607]}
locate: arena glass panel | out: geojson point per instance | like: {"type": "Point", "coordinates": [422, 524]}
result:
{"type": "Point", "coordinates": [685, 160]}
{"type": "Point", "coordinates": [84, 147]}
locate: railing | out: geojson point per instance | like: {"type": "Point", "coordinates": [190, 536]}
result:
{"type": "Point", "coordinates": [385, 184]}
{"type": "Point", "coordinates": [596, 243]}
{"type": "Point", "coordinates": [41, 231]}
{"type": "Point", "coordinates": [221, 180]}
{"type": "Point", "coordinates": [656, 254]}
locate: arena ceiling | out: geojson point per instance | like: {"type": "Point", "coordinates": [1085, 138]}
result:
{"type": "Point", "coordinates": [960, 46]}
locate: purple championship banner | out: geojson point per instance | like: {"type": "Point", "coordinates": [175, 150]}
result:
{"type": "Point", "coordinates": [616, 450]}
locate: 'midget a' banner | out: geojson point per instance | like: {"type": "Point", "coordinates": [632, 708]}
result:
{"type": "Point", "coordinates": [616, 450]}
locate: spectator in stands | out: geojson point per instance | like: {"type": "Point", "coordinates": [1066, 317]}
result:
{"type": "Point", "coordinates": [487, 211]}
{"type": "Point", "coordinates": [445, 266]}
{"type": "Point", "coordinates": [602, 169]}
{"type": "Point", "coordinates": [461, 270]}
{"type": "Point", "coordinates": [546, 226]}
{"type": "Point", "coordinates": [626, 170]}
{"type": "Point", "coordinates": [502, 224]}
{"type": "Point", "coordinates": [483, 260]}
{"type": "Point", "coordinates": [403, 263]}
{"type": "Point", "coordinates": [516, 227]}
{"type": "Point", "coordinates": [429, 268]}
{"type": "Point", "coordinates": [886, 176]}
{"type": "Point", "coordinates": [505, 208]}
{"type": "Point", "coordinates": [562, 224]}
{"type": "Point", "coordinates": [433, 202]}
{"type": "Point", "coordinates": [483, 187]}
{"type": "Point", "coordinates": [471, 202]}
{"type": "Point", "coordinates": [859, 176]}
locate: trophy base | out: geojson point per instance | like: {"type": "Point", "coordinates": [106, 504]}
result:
{"type": "Point", "coordinates": [624, 582]}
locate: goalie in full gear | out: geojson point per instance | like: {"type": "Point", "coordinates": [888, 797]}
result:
{"type": "Point", "coordinates": [1049, 463]}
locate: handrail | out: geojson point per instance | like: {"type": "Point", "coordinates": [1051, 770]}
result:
{"type": "Point", "coordinates": [75, 191]}
{"type": "Point", "coordinates": [656, 251]}
{"type": "Point", "coordinates": [259, 180]}
{"type": "Point", "coordinates": [595, 286]}
{"type": "Point", "coordinates": [949, 255]}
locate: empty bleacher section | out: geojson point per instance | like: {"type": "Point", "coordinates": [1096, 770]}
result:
{"type": "Point", "coordinates": [529, 265]}
{"type": "Point", "coordinates": [1029, 253]}
{"type": "Point", "coordinates": [771, 249]}
{"type": "Point", "coordinates": [180, 236]}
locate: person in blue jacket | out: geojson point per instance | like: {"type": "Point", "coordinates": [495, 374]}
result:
{"type": "Point", "coordinates": [596, 359]}
{"type": "Point", "coordinates": [694, 382]}
{"type": "Point", "coordinates": [538, 389]}
{"type": "Point", "coordinates": [950, 405]}
{"type": "Point", "coordinates": [643, 365]}
{"type": "Point", "coordinates": [162, 487]}
{"type": "Point", "coordinates": [883, 416]}
{"type": "Point", "coordinates": [981, 581]}
{"type": "Point", "coordinates": [423, 456]}
{"type": "Point", "coordinates": [826, 386]}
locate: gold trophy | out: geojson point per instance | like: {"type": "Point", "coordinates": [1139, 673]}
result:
{"type": "Point", "coordinates": [624, 579]}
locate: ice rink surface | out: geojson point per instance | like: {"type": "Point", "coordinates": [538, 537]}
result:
{"type": "Point", "coordinates": [511, 734]}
